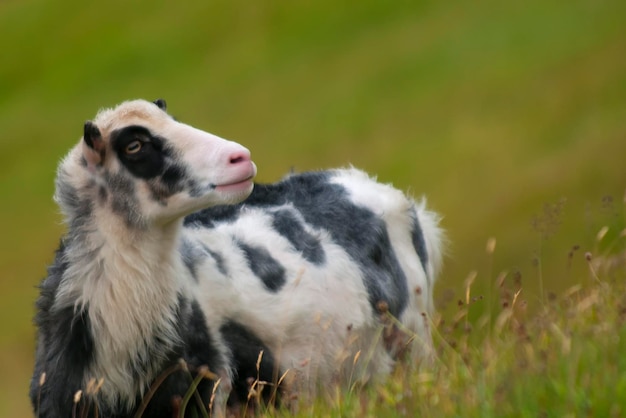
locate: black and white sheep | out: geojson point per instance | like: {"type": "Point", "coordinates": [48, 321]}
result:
{"type": "Point", "coordinates": [172, 253]}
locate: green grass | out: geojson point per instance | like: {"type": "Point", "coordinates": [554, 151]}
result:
{"type": "Point", "coordinates": [491, 109]}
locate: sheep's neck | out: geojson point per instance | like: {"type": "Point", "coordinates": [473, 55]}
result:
{"type": "Point", "coordinates": [130, 288]}
{"type": "Point", "coordinates": [139, 277]}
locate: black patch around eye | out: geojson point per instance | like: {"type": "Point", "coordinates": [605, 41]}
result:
{"type": "Point", "coordinates": [146, 163]}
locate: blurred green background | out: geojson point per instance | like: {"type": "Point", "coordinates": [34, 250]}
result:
{"type": "Point", "coordinates": [509, 116]}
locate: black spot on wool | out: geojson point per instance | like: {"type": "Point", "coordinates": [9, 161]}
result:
{"type": "Point", "coordinates": [64, 348]}
{"type": "Point", "coordinates": [199, 345]}
{"type": "Point", "coordinates": [219, 260]}
{"type": "Point", "coordinates": [193, 252]}
{"type": "Point", "coordinates": [245, 347]}
{"type": "Point", "coordinates": [102, 195]}
{"type": "Point", "coordinates": [194, 189]}
{"type": "Point", "coordinates": [79, 208]}
{"type": "Point", "coordinates": [419, 244]}
{"type": "Point", "coordinates": [191, 255]}
{"type": "Point", "coordinates": [209, 217]}
{"type": "Point", "coordinates": [264, 266]}
{"type": "Point", "coordinates": [123, 200]}
{"type": "Point", "coordinates": [286, 223]}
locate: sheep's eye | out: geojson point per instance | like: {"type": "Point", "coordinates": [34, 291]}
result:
{"type": "Point", "coordinates": [133, 147]}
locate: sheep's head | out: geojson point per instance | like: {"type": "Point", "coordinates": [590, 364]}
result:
{"type": "Point", "coordinates": [144, 165]}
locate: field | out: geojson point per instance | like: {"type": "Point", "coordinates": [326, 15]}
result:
{"type": "Point", "coordinates": [510, 118]}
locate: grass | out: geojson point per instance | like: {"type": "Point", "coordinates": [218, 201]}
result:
{"type": "Point", "coordinates": [491, 109]}
{"type": "Point", "coordinates": [562, 359]}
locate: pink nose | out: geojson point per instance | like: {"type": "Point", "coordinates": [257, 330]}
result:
{"type": "Point", "coordinates": [239, 157]}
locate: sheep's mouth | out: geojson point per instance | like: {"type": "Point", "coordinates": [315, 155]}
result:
{"type": "Point", "coordinates": [235, 186]}
{"type": "Point", "coordinates": [240, 182]}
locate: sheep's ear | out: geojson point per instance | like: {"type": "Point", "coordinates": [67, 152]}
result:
{"type": "Point", "coordinates": [93, 145]}
{"type": "Point", "coordinates": [161, 103]}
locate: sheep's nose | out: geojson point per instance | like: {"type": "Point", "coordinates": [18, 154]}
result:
{"type": "Point", "coordinates": [239, 157]}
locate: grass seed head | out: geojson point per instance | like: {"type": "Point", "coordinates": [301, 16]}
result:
{"type": "Point", "coordinates": [491, 245]}
{"type": "Point", "coordinates": [382, 307]}
{"type": "Point", "coordinates": [602, 233]}
{"type": "Point", "coordinates": [77, 396]}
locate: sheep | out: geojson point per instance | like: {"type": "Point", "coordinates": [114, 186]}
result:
{"type": "Point", "coordinates": [177, 267]}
